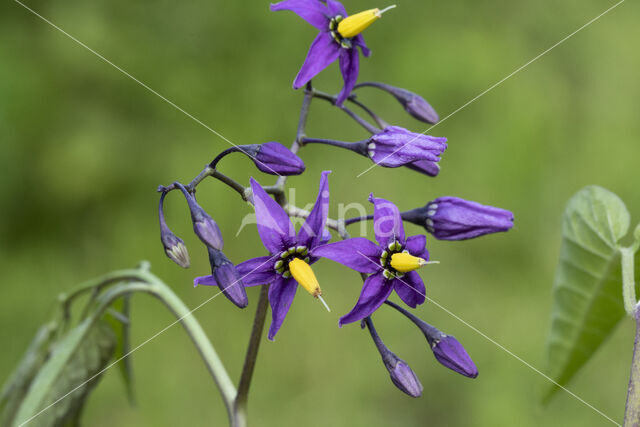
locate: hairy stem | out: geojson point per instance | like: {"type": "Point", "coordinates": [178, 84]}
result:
{"type": "Point", "coordinates": [240, 404]}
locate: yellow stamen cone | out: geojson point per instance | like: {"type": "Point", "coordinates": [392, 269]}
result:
{"type": "Point", "coordinates": [404, 262]}
{"type": "Point", "coordinates": [353, 25]}
{"type": "Point", "coordinates": [302, 272]}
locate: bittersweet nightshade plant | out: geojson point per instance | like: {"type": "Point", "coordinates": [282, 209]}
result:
{"type": "Point", "coordinates": [226, 277]}
{"type": "Point", "coordinates": [271, 157]}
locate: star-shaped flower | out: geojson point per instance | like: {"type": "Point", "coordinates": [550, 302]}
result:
{"type": "Point", "coordinates": [339, 38]}
{"type": "Point", "coordinates": [390, 263]}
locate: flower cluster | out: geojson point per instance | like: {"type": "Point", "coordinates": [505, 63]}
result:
{"type": "Point", "coordinates": [389, 265]}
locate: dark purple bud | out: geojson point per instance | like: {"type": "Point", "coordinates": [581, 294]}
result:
{"type": "Point", "coordinates": [413, 103]}
{"type": "Point", "coordinates": [451, 218]}
{"type": "Point", "coordinates": [450, 353]}
{"type": "Point", "coordinates": [426, 167]}
{"type": "Point", "coordinates": [203, 225]}
{"type": "Point", "coordinates": [395, 146]}
{"type": "Point", "coordinates": [174, 246]}
{"type": "Point", "coordinates": [227, 278]}
{"type": "Point", "coordinates": [401, 374]}
{"type": "Point", "coordinates": [276, 159]}
{"type": "Point", "coordinates": [271, 157]}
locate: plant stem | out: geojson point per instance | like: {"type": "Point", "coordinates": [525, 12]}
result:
{"type": "Point", "coordinates": [628, 280]}
{"type": "Point", "coordinates": [362, 122]}
{"type": "Point", "coordinates": [632, 410]}
{"type": "Point", "coordinates": [359, 147]}
{"type": "Point", "coordinates": [240, 404]}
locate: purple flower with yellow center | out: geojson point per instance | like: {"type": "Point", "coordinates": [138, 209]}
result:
{"type": "Point", "coordinates": [390, 263]}
{"type": "Point", "coordinates": [290, 257]}
{"type": "Point", "coordinates": [339, 38]}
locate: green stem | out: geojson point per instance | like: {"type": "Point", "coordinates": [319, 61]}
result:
{"type": "Point", "coordinates": [632, 410]}
{"type": "Point", "coordinates": [240, 404]}
{"type": "Point", "coordinates": [628, 280]}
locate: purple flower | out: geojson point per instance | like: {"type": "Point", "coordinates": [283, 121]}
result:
{"type": "Point", "coordinates": [287, 264]}
{"type": "Point", "coordinates": [450, 353]}
{"type": "Point", "coordinates": [401, 374]}
{"type": "Point", "coordinates": [452, 218]}
{"type": "Point", "coordinates": [271, 157]}
{"type": "Point", "coordinates": [390, 263]}
{"type": "Point", "coordinates": [225, 276]}
{"type": "Point", "coordinates": [174, 246]}
{"type": "Point", "coordinates": [413, 103]}
{"type": "Point", "coordinates": [426, 167]}
{"type": "Point", "coordinates": [396, 146]}
{"type": "Point", "coordinates": [339, 38]}
{"type": "Point", "coordinates": [203, 225]}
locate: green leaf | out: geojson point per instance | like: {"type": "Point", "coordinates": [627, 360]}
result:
{"type": "Point", "coordinates": [18, 383]}
{"type": "Point", "coordinates": [57, 394]}
{"type": "Point", "coordinates": [119, 319]}
{"type": "Point", "coordinates": [587, 292]}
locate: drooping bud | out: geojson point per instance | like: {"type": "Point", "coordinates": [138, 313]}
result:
{"type": "Point", "coordinates": [395, 146]}
{"type": "Point", "coordinates": [450, 353]}
{"type": "Point", "coordinates": [426, 167]}
{"type": "Point", "coordinates": [405, 262]}
{"type": "Point", "coordinates": [271, 157]}
{"type": "Point", "coordinates": [203, 225]}
{"type": "Point", "coordinates": [353, 25]}
{"type": "Point", "coordinates": [446, 349]}
{"type": "Point", "coordinates": [452, 218]}
{"type": "Point", "coordinates": [413, 103]}
{"type": "Point", "coordinates": [226, 277]}
{"type": "Point", "coordinates": [174, 246]}
{"type": "Point", "coordinates": [401, 374]}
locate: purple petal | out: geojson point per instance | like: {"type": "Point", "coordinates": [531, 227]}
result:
{"type": "Point", "coordinates": [349, 66]}
{"type": "Point", "coordinates": [275, 228]}
{"type": "Point", "coordinates": [312, 230]}
{"type": "Point", "coordinates": [356, 253]}
{"type": "Point", "coordinates": [323, 51]}
{"type": "Point", "coordinates": [336, 8]}
{"type": "Point", "coordinates": [359, 41]}
{"type": "Point", "coordinates": [416, 245]}
{"type": "Point", "coordinates": [375, 291]}
{"type": "Point", "coordinates": [424, 166]}
{"type": "Point", "coordinates": [410, 289]}
{"type": "Point", "coordinates": [257, 271]}
{"type": "Point", "coordinates": [281, 293]}
{"type": "Point", "coordinates": [312, 11]}
{"type": "Point", "coordinates": [205, 280]}
{"type": "Point", "coordinates": [387, 224]}
{"type": "Point", "coordinates": [231, 284]}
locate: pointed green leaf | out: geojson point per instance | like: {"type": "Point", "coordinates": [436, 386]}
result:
{"type": "Point", "coordinates": [57, 393]}
{"type": "Point", "coordinates": [587, 292]}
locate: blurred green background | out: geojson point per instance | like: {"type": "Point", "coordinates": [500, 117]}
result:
{"type": "Point", "coordinates": [83, 147]}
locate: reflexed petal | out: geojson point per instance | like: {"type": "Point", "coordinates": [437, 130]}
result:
{"type": "Point", "coordinates": [275, 228]}
{"type": "Point", "coordinates": [359, 41]}
{"type": "Point", "coordinates": [281, 293]}
{"type": "Point", "coordinates": [349, 66]}
{"type": "Point", "coordinates": [323, 51]}
{"type": "Point", "coordinates": [205, 280]}
{"type": "Point", "coordinates": [356, 253]}
{"type": "Point", "coordinates": [410, 289]}
{"type": "Point", "coordinates": [312, 230]}
{"type": "Point", "coordinates": [312, 11]}
{"type": "Point", "coordinates": [375, 291]}
{"type": "Point", "coordinates": [257, 271]}
{"type": "Point", "coordinates": [416, 245]}
{"type": "Point", "coordinates": [336, 8]}
{"type": "Point", "coordinates": [387, 223]}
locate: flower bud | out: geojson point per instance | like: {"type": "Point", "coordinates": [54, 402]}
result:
{"type": "Point", "coordinates": [276, 159]}
{"type": "Point", "coordinates": [413, 103]}
{"type": "Point", "coordinates": [450, 353]}
{"type": "Point", "coordinates": [395, 146]}
{"type": "Point", "coordinates": [426, 167]}
{"type": "Point", "coordinates": [203, 225]}
{"type": "Point", "coordinates": [226, 277]}
{"type": "Point", "coordinates": [174, 246]}
{"type": "Point", "coordinates": [401, 374]}
{"type": "Point", "coordinates": [452, 218]}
